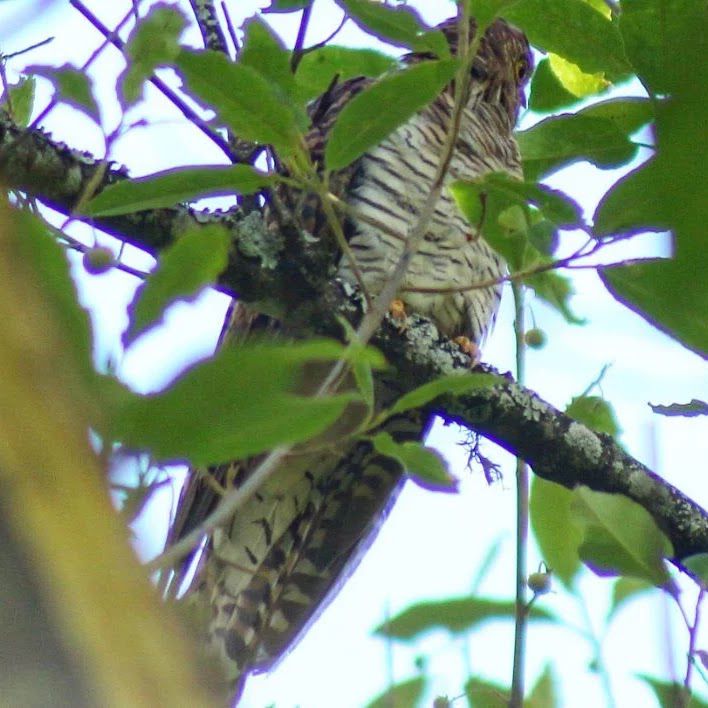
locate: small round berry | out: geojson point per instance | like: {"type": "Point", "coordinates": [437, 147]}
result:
{"type": "Point", "coordinates": [535, 338]}
{"type": "Point", "coordinates": [98, 260]}
{"type": "Point", "coordinates": [539, 583]}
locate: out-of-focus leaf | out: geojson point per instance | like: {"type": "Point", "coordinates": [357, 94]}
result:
{"type": "Point", "coordinates": [21, 100]}
{"type": "Point", "coordinates": [362, 124]}
{"type": "Point", "coordinates": [454, 615]}
{"type": "Point", "coordinates": [564, 139]}
{"type": "Point", "coordinates": [687, 410]}
{"type": "Point", "coordinates": [620, 537]}
{"type": "Point", "coordinates": [71, 85]}
{"type": "Point", "coordinates": [574, 79]}
{"type": "Point", "coordinates": [544, 693]}
{"type": "Point", "coordinates": [286, 5]}
{"type": "Point", "coordinates": [671, 695]}
{"type": "Point", "coordinates": [555, 290]}
{"type": "Point", "coordinates": [557, 536]}
{"type": "Point", "coordinates": [453, 384]}
{"type": "Point", "coordinates": [698, 565]}
{"type": "Point", "coordinates": [624, 590]}
{"type": "Point", "coordinates": [242, 97]}
{"type": "Point", "coordinates": [241, 402]}
{"type": "Point", "coordinates": [400, 26]}
{"type": "Point", "coordinates": [425, 465]}
{"type": "Point", "coordinates": [628, 114]}
{"type": "Point", "coordinates": [153, 42]}
{"type": "Point", "coordinates": [184, 269]}
{"type": "Point", "coordinates": [573, 30]}
{"type": "Point", "coordinates": [168, 188]}
{"type": "Point", "coordinates": [401, 695]}
{"type": "Point", "coordinates": [317, 69]}
{"type": "Point", "coordinates": [595, 412]}
{"type": "Point", "coordinates": [118, 636]}
{"type": "Point", "coordinates": [547, 93]}
{"type": "Point", "coordinates": [486, 694]}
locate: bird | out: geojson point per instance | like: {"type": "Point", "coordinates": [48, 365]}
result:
{"type": "Point", "coordinates": [264, 577]}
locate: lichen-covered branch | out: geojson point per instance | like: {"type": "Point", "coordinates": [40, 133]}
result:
{"type": "Point", "coordinates": [288, 273]}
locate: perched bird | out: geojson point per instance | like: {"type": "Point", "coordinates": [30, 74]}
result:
{"type": "Point", "coordinates": [265, 575]}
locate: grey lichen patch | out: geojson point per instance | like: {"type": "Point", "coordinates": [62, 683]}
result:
{"type": "Point", "coordinates": [256, 241]}
{"type": "Point", "coordinates": [584, 441]}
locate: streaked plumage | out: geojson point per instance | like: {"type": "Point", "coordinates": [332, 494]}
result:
{"type": "Point", "coordinates": [267, 573]}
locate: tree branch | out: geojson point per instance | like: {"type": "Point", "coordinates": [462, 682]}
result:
{"type": "Point", "coordinates": [288, 273]}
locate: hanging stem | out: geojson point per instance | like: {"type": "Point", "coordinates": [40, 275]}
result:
{"type": "Point", "coordinates": [522, 522]}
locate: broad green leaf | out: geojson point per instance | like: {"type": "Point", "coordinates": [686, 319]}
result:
{"type": "Point", "coordinates": [555, 290]}
{"type": "Point", "coordinates": [265, 52]}
{"type": "Point", "coordinates": [574, 79]}
{"type": "Point", "coordinates": [454, 615]}
{"type": "Point", "coordinates": [71, 85]}
{"type": "Point", "coordinates": [241, 402]}
{"type": "Point", "coordinates": [452, 384]}
{"type": "Point", "coordinates": [620, 537]}
{"type": "Point", "coordinates": [401, 695]}
{"type": "Point", "coordinates": [628, 114]}
{"type": "Point", "coordinates": [687, 410]}
{"type": "Point", "coordinates": [544, 693]}
{"type": "Point", "coordinates": [21, 100]}
{"type": "Point", "coordinates": [595, 412]}
{"type": "Point", "coordinates": [558, 538]}
{"type": "Point", "coordinates": [244, 99]}
{"type": "Point", "coordinates": [484, 694]}
{"type": "Point", "coordinates": [287, 5]}
{"type": "Point", "coordinates": [671, 695]}
{"type": "Point", "coordinates": [625, 589]}
{"type": "Point", "coordinates": [547, 93]}
{"type": "Point", "coordinates": [425, 465]}
{"type": "Point", "coordinates": [317, 69]}
{"type": "Point", "coordinates": [573, 30]}
{"type": "Point", "coordinates": [168, 188]}
{"type": "Point", "coordinates": [184, 269]}
{"type": "Point", "coordinates": [653, 32]}
{"type": "Point", "coordinates": [154, 42]}
{"type": "Point", "coordinates": [362, 124]}
{"type": "Point", "coordinates": [400, 26]}
{"type": "Point", "coordinates": [564, 139]}
{"type": "Point", "coordinates": [698, 565]}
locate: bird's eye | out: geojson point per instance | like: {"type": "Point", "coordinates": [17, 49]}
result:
{"type": "Point", "coordinates": [521, 68]}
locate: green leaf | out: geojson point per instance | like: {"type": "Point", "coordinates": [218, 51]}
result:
{"type": "Point", "coordinates": [185, 268]}
{"type": "Point", "coordinates": [168, 188]}
{"type": "Point", "coordinates": [628, 114]}
{"type": "Point", "coordinates": [242, 97]}
{"type": "Point", "coordinates": [21, 100]}
{"type": "Point", "coordinates": [455, 384]}
{"type": "Point", "coordinates": [687, 410]}
{"type": "Point", "coordinates": [557, 536]}
{"type": "Point", "coordinates": [241, 402]}
{"type": "Point", "coordinates": [423, 464]}
{"type": "Point", "coordinates": [624, 590]}
{"type": "Point", "coordinates": [286, 5]}
{"type": "Point", "coordinates": [71, 85]}
{"type": "Point", "coordinates": [454, 614]}
{"type": "Point", "coordinates": [484, 694]}
{"type": "Point", "coordinates": [401, 695]}
{"type": "Point", "coordinates": [400, 26]}
{"type": "Point", "coordinates": [595, 412]}
{"type": "Point", "coordinates": [573, 30]}
{"type": "Point", "coordinates": [547, 93]}
{"type": "Point", "coordinates": [543, 694]}
{"type": "Point", "coordinates": [264, 52]}
{"type": "Point", "coordinates": [620, 537]}
{"type": "Point", "coordinates": [362, 124]}
{"type": "Point", "coordinates": [154, 42]}
{"type": "Point", "coordinates": [698, 565]}
{"type": "Point", "coordinates": [559, 141]}
{"type": "Point", "coordinates": [555, 290]}
{"type": "Point", "coordinates": [571, 76]}
{"type": "Point", "coordinates": [317, 69]}
{"type": "Point", "coordinates": [671, 695]}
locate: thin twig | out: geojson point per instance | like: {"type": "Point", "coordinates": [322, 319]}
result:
{"type": "Point", "coordinates": [230, 27]}
{"type": "Point", "coordinates": [327, 39]}
{"type": "Point", "coordinates": [209, 25]}
{"type": "Point", "coordinates": [176, 100]}
{"type": "Point", "coordinates": [19, 52]}
{"type": "Point", "coordinates": [692, 638]}
{"type": "Point", "coordinates": [300, 40]}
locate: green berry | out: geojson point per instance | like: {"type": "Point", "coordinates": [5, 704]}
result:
{"type": "Point", "coordinates": [98, 260]}
{"type": "Point", "coordinates": [539, 583]}
{"type": "Point", "coordinates": [535, 338]}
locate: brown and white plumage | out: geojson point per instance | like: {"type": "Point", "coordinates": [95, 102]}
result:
{"type": "Point", "coordinates": [266, 574]}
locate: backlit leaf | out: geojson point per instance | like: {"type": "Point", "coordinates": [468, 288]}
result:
{"type": "Point", "coordinates": [595, 412]}
{"type": "Point", "coordinates": [71, 85]}
{"type": "Point", "coordinates": [687, 410]}
{"type": "Point", "coordinates": [400, 695]}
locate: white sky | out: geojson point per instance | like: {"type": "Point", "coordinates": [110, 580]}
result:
{"type": "Point", "coordinates": [432, 544]}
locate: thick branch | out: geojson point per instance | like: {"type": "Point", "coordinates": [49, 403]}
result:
{"type": "Point", "coordinates": [289, 272]}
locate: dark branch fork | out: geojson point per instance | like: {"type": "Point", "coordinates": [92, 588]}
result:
{"type": "Point", "coordinates": [262, 267]}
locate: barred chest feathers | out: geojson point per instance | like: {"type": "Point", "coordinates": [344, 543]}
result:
{"type": "Point", "coordinates": [393, 184]}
